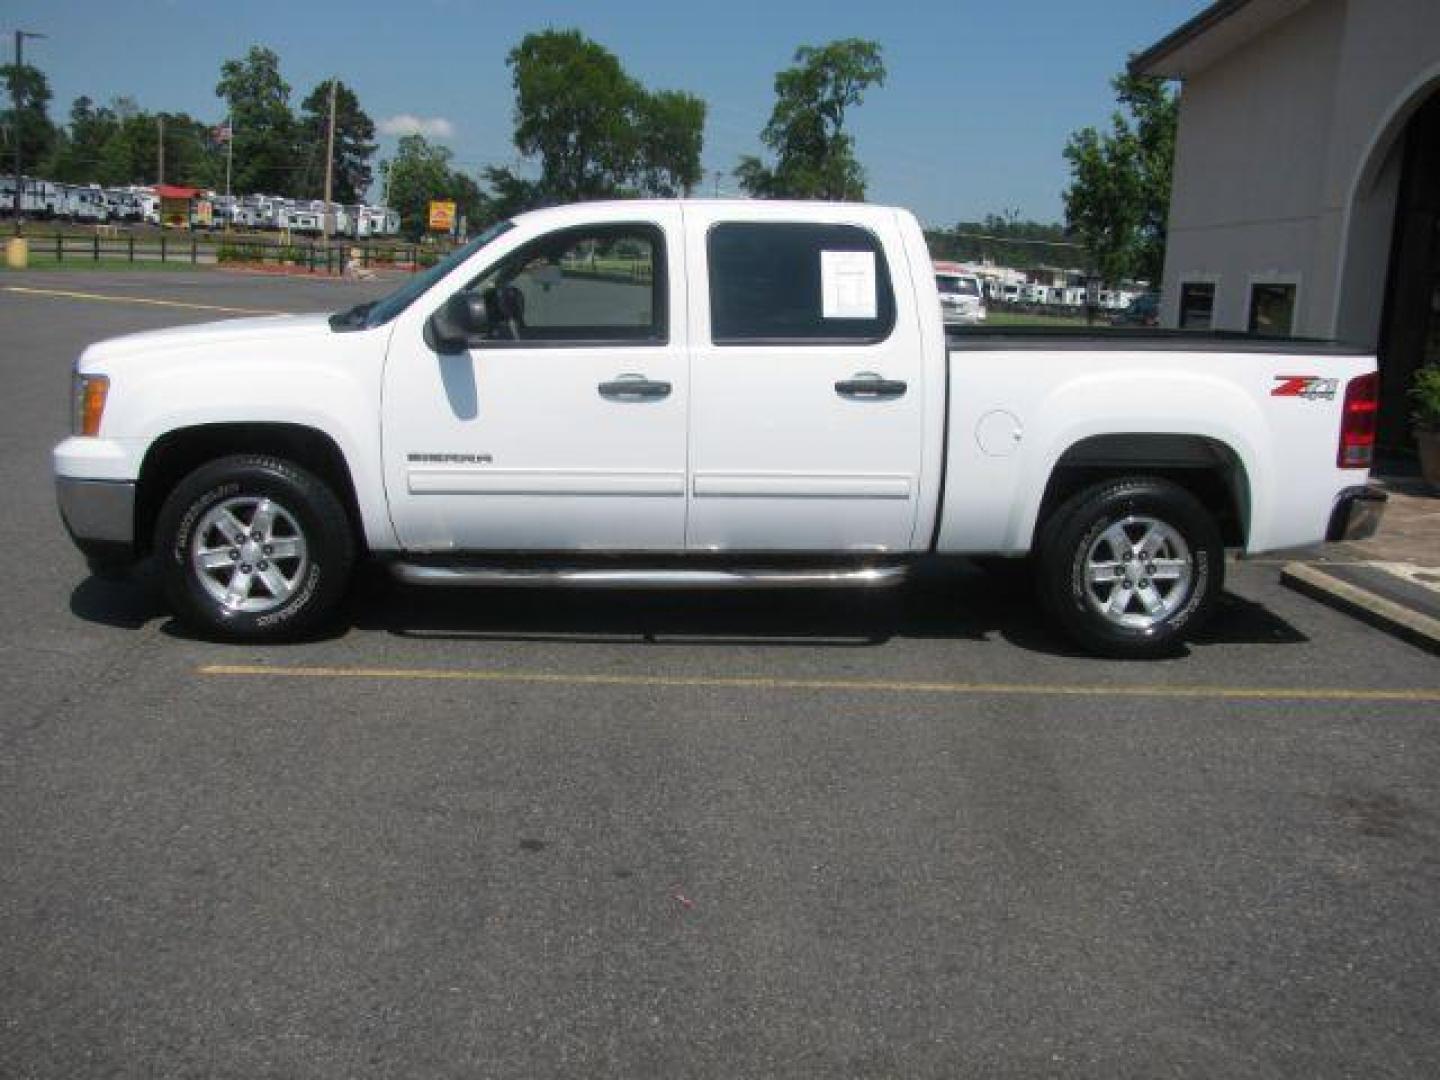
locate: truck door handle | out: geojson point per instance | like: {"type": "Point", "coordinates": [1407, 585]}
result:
{"type": "Point", "coordinates": [634, 388]}
{"type": "Point", "coordinates": [868, 386]}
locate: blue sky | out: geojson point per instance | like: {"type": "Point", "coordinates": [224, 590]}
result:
{"type": "Point", "coordinates": [973, 118]}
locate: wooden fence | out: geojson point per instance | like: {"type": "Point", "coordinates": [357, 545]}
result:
{"type": "Point", "coordinates": [196, 249]}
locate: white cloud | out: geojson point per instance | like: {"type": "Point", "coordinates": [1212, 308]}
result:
{"type": "Point", "coordinates": [433, 127]}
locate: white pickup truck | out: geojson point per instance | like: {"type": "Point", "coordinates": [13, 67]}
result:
{"type": "Point", "coordinates": [702, 394]}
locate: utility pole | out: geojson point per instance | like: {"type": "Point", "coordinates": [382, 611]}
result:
{"type": "Point", "coordinates": [229, 151]}
{"type": "Point", "coordinates": [15, 96]}
{"type": "Point", "coordinates": [160, 149]}
{"type": "Point", "coordinates": [330, 165]}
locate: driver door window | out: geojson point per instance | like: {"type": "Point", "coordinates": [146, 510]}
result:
{"type": "Point", "coordinates": [588, 286]}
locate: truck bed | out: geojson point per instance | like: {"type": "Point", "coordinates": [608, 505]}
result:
{"type": "Point", "coordinates": [1101, 338]}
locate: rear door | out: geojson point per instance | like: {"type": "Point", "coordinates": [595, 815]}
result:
{"type": "Point", "coordinates": [806, 428]}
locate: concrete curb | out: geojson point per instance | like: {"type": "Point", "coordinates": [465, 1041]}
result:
{"type": "Point", "coordinates": [1412, 626]}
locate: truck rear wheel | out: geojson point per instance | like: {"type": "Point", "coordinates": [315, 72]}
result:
{"type": "Point", "coordinates": [1129, 566]}
{"type": "Point", "coordinates": [253, 548]}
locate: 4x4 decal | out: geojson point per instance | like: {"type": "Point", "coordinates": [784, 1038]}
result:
{"type": "Point", "coordinates": [1306, 386]}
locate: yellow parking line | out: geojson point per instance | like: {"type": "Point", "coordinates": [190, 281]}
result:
{"type": "Point", "coordinates": [109, 299]}
{"type": "Point", "coordinates": [977, 689]}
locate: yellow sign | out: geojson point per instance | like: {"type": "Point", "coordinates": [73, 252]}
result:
{"type": "Point", "coordinates": [442, 215]}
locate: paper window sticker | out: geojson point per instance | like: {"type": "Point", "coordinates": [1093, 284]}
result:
{"type": "Point", "coordinates": [847, 285]}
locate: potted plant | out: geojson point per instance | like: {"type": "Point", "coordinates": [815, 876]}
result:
{"type": "Point", "coordinates": [1425, 392]}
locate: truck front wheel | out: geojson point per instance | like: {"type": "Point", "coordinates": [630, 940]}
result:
{"type": "Point", "coordinates": [253, 548]}
{"type": "Point", "coordinates": [1127, 567]}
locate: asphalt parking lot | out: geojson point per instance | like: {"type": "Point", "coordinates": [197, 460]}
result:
{"type": "Point", "coordinates": [481, 834]}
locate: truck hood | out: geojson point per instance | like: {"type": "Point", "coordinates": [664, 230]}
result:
{"type": "Point", "coordinates": [202, 335]}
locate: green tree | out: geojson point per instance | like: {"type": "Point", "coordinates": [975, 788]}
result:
{"type": "Point", "coordinates": [814, 155]}
{"type": "Point", "coordinates": [419, 173]}
{"type": "Point", "coordinates": [1006, 240]}
{"type": "Point", "coordinates": [471, 205]}
{"type": "Point", "coordinates": [128, 155]}
{"type": "Point", "coordinates": [1118, 201]}
{"type": "Point", "coordinates": [117, 145]}
{"type": "Point", "coordinates": [354, 143]}
{"type": "Point", "coordinates": [572, 97]}
{"type": "Point", "coordinates": [507, 194]}
{"type": "Point", "coordinates": [27, 118]}
{"type": "Point", "coordinates": [672, 132]}
{"type": "Point", "coordinates": [264, 127]}
{"type": "Point", "coordinates": [76, 154]}
{"type": "Point", "coordinates": [191, 156]}
{"type": "Point", "coordinates": [596, 132]}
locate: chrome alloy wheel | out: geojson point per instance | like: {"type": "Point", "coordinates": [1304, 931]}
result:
{"type": "Point", "coordinates": [1138, 572]}
{"type": "Point", "coordinates": [249, 553]}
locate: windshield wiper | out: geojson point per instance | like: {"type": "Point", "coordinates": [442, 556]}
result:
{"type": "Point", "coordinates": [352, 318]}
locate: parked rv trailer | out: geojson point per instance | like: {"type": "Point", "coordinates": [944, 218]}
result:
{"type": "Point", "coordinates": [268, 210]}
{"type": "Point", "coordinates": [120, 204]}
{"type": "Point", "coordinates": [39, 198]}
{"type": "Point", "coordinates": [299, 218]}
{"type": "Point", "coordinates": [378, 221]}
{"type": "Point", "coordinates": [84, 203]}
{"type": "Point", "coordinates": [137, 204]}
{"type": "Point", "coordinates": [244, 215]}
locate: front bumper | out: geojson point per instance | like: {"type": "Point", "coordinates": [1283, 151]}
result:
{"type": "Point", "coordinates": [1357, 514]}
{"type": "Point", "coordinates": [99, 515]}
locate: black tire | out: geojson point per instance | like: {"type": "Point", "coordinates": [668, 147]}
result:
{"type": "Point", "coordinates": [1087, 610]}
{"type": "Point", "coordinates": [304, 506]}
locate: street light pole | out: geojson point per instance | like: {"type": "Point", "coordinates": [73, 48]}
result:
{"type": "Point", "coordinates": [15, 82]}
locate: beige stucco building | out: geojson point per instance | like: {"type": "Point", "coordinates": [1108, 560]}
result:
{"type": "Point", "coordinates": [1307, 176]}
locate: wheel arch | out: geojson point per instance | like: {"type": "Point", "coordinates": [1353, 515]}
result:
{"type": "Point", "coordinates": [178, 452]}
{"type": "Point", "coordinates": [1208, 468]}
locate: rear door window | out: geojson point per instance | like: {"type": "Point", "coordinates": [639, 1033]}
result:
{"type": "Point", "coordinates": [794, 283]}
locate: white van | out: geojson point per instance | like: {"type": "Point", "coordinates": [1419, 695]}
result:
{"type": "Point", "coordinates": [961, 300]}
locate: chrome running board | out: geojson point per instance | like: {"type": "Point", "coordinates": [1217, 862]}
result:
{"type": "Point", "coordinates": [638, 578]}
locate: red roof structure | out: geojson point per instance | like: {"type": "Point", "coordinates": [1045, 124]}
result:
{"type": "Point", "coordinates": [174, 191]}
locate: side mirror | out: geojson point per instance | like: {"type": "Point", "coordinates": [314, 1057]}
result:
{"type": "Point", "coordinates": [456, 323]}
{"type": "Point", "coordinates": [504, 305]}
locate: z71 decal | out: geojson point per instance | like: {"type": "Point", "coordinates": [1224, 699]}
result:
{"type": "Point", "coordinates": [1306, 386]}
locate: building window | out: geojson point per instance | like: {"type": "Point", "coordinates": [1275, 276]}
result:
{"type": "Point", "coordinates": [1272, 310]}
{"type": "Point", "coordinates": [1197, 305]}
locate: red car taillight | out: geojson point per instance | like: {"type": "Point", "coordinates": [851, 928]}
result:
{"type": "Point", "coordinates": [1357, 422]}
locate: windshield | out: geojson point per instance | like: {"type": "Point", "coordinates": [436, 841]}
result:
{"type": "Point", "coordinates": [957, 286]}
{"type": "Point", "coordinates": [379, 312]}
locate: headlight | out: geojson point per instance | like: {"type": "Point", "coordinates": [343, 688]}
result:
{"type": "Point", "coordinates": [90, 391]}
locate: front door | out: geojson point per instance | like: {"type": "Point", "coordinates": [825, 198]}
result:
{"type": "Point", "coordinates": [806, 402]}
{"type": "Point", "coordinates": [563, 426]}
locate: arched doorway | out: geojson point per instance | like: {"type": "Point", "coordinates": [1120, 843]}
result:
{"type": "Point", "coordinates": [1410, 323]}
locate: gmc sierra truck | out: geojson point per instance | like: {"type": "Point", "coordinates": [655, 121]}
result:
{"type": "Point", "coordinates": [703, 394]}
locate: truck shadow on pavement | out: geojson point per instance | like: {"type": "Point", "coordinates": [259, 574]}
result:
{"type": "Point", "coordinates": [964, 604]}
{"type": "Point", "coordinates": [952, 603]}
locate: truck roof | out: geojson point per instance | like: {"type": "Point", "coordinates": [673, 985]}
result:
{"type": "Point", "coordinates": [801, 209]}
